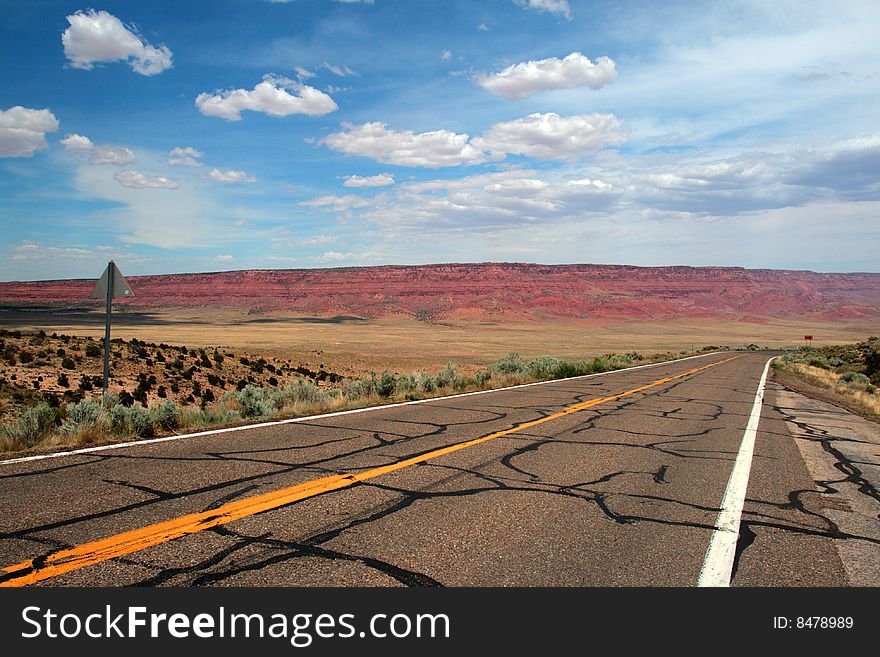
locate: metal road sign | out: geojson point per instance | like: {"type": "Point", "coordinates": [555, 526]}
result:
{"type": "Point", "coordinates": [120, 286]}
{"type": "Point", "coordinates": [110, 286]}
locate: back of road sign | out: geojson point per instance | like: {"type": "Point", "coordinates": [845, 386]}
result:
{"type": "Point", "coordinates": [120, 286]}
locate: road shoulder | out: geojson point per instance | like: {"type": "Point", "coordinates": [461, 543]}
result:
{"type": "Point", "coordinates": [842, 453]}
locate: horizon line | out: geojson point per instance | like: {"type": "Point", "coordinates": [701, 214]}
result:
{"type": "Point", "coordinates": [453, 264]}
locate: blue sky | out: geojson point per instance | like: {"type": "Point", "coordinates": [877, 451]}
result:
{"type": "Point", "coordinates": [192, 136]}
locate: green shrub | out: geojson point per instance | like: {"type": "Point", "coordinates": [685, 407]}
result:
{"type": "Point", "coordinates": [300, 390]}
{"type": "Point", "coordinates": [134, 420]}
{"type": "Point", "coordinates": [141, 421]}
{"type": "Point", "coordinates": [360, 388]}
{"type": "Point", "coordinates": [854, 378]}
{"type": "Point", "coordinates": [427, 382]}
{"type": "Point", "coordinates": [168, 415]}
{"type": "Point", "coordinates": [386, 384]}
{"type": "Point", "coordinates": [820, 362]}
{"type": "Point", "coordinates": [449, 377]}
{"type": "Point", "coordinates": [406, 383]}
{"type": "Point", "coordinates": [118, 419]}
{"type": "Point", "coordinates": [36, 424]}
{"type": "Point", "coordinates": [567, 369]}
{"type": "Point", "coordinates": [509, 364]}
{"type": "Point", "coordinates": [81, 415]}
{"type": "Point", "coordinates": [544, 367]}
{"type": "Point", "coordinates": [254, 401]}
{"type": "Point", "coordinates": [481, 377]}
{"type": "Point", "coordinates": [601, 364]}
{"type": "Point", "coordinates": [872, 362]}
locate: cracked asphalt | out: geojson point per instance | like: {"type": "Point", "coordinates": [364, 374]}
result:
{"type": "Point", "coordinates": [622, 493]}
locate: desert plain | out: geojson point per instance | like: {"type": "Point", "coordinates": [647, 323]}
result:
{"type": "Point", "coordinates": [353, 346]}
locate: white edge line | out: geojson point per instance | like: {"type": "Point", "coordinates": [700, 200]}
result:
{"type": "Point", "coordinates": [366, 409]}
{"type": "Point", "coordinates": [718, 564]}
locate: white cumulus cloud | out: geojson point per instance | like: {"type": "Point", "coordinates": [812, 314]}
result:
{"type": "Point", "coordinates": [486, 202]}
{"type": "Point", "coordinates": [230, 176]}
{"type": "Point", "coordinates": [100, 154]}
{"type": "Point", "coordinates": [138, 180]}
{"type": "Point", "coordinates": [552, 137]}
{"type": "Point", "coordinates": [185, 157]}
{"type": "Point", "coordinates": [334, 256]}
{"type": "Point", "coordinates": [77, 143]}
{"type": "Point", "coordinates": [117, 155]}
{"type": "Point", "coordinates": [526, 78]}
{"type": "Point", "coordinates": [380, 180]}
{"type": "Point", "coordinates": [274, 95]}
{"type": "Point", "coordinates": [98, 36]}
{"type": "Point", "coordinates": [542, 136]}
{"type": "Point", "coordinates": [438, 148]}
{"type": "Point", "coordinates": [550, 6]}
{"type": "Point", "coordinates": [23, 130]}
{"type": "Point", "coordinates": [336, 203]}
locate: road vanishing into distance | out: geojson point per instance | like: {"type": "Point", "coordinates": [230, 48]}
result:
{"type": "Point", "coordinates": [617, 479]}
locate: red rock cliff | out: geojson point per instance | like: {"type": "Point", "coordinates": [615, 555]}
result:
{"type": "Point", "coordinates": [491, 290]}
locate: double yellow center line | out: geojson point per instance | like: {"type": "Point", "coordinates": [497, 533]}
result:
{"type": "Point", "coordinates": [88, 554]}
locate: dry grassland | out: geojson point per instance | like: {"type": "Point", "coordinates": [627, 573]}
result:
{"type": "Point", "coordinates": [353, 346]}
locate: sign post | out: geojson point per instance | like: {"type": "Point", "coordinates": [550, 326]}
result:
{"type": "Point", "coordinates": [112, 284]}
{"type": "Point", "coordinates": [809, 340]}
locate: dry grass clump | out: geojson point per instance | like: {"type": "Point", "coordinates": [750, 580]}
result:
{"type": "Point", "coordinates": [853, 386]}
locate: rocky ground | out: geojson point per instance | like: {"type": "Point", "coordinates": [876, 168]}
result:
{"type": "Point", "coordinates": [55, 368]}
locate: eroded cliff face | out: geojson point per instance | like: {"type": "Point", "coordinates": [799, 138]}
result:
{"type": "Point", "coordinates": [490, 291]}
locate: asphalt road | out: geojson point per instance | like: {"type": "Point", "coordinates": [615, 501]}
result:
{"type": "Point", "coordinates": [613, 480]}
